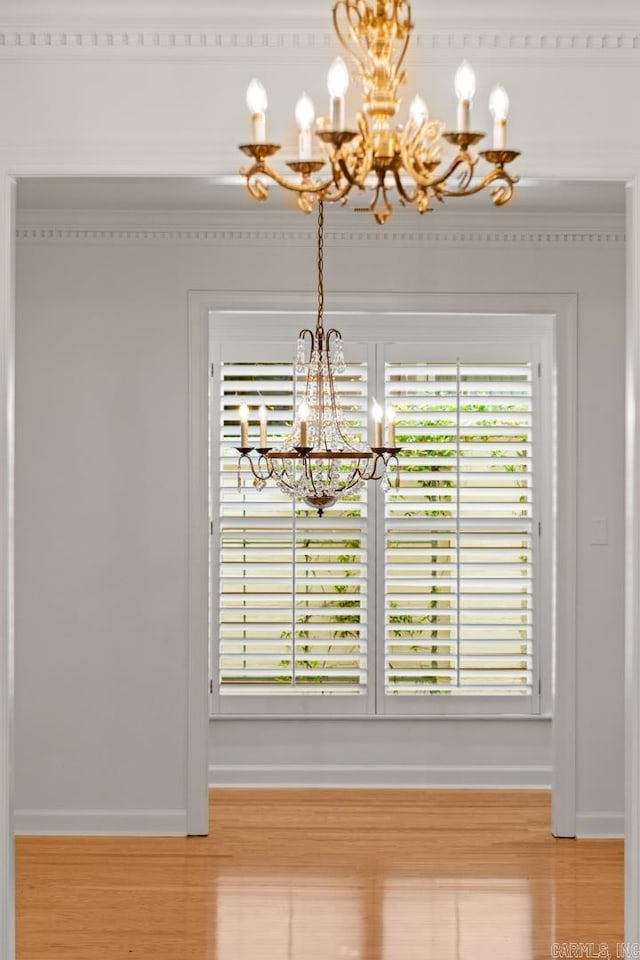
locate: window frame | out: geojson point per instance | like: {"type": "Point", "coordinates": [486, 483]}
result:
{"type": "Point", "coordinates": [528, 332]}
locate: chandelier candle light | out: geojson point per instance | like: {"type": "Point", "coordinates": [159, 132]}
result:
{"type": "Point", "coordinates": [377, 153]}
{"type": "Point", "coordinates": [319, 461]}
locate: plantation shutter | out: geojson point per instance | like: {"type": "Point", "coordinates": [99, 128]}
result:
{"type": "Point", "coordinates": [291, 598]}
{"type": "Point", "coordinates": [459, 533]}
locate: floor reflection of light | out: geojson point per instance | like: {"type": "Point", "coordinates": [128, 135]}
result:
{"type": "Point", "coordinates": [456, 919]}
{"type": "Point", "coordinates": [289, 918]}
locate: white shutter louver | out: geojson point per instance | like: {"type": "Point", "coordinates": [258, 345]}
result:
{"type": "Point", "coordinates": [292, 597]}
{"type": "Point", "coordinates": [459, 533]}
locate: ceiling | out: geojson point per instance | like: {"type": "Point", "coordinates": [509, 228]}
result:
{"type": "Point", "coordinates": [225, 194]}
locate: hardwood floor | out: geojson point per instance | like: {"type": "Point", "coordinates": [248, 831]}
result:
{"type": "Point", "coordinates": [327, 875]}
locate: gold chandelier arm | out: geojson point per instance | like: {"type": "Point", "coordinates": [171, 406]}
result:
{"type": "Point", "coordinates": [501, 194]}
{"type": "Point", "coordinates": [259, 190]}
{"type": "Point", "coordinates": [342, 189]}
{"type": "Point", "coordinates": [256, 187]}
{"type": "Point", "coordinates": [462, 159]}
{"type": "Point", "coordinates": [351, 45]}
{"type": "Point", "coordinates": [465, 175]}
{"type": "Point", "coordinates": [348, 177]}
{"type": "Point", "coordinates": [380, 206]}
{"type": "Point", "coordinates": [420, 161]}
{"type": "Point", "coordinates": [419, 198]}
{"type": "Point", "coordinates": [354, 161]}
{"type": "Point", "coordinates": [399, 8]}
{"type": "Point", "coordinates": [405, 196]}
{"type": "Point", "coordinates": [380, 60]}
{"type": "Point", "coordinates": [413, 135]}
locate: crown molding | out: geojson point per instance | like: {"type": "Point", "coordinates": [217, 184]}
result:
{"type": "Point", "coordinates": [344, 229]}
{"type": "Point", "coordinates": [162, 10]}
{"type": "Point", "coordinates": [302, 38]}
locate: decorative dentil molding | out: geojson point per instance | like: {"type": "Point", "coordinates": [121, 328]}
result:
{"type": "Point", "coordinates": [307, 37]}
{"type": "Point", "coordinates": [228, 227]}
{"type": "Point", "coordinates": [344, 237]}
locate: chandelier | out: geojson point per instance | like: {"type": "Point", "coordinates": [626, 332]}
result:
{"type": "Point", "coordinates": [379, 154]}
{"type": "Point", "coordinates": [320, 461]}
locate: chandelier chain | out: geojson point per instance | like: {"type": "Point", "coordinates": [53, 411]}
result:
{"type": "Point", "coordinates": [320, 262]}
{"type": "Point", "coordinates": [319, 462]}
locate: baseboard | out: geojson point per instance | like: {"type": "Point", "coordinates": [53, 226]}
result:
{"type": "Point", "coordinates": [380, 775]}
{"type": "Point", "coordinates": [119, 823]}
{"type": "Point", "coordinates": [600, 825]}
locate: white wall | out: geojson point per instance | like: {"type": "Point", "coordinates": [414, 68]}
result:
{"type": "Point", "coordinates": [101, 514]}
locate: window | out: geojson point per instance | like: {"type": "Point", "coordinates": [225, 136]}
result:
{"type": "Point", "coordinates": [423, 600]}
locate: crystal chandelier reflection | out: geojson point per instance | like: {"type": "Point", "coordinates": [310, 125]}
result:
{"type": "Point", "coordinates": [376, 153]}
{"type": "Point", "coordinates": [320, 461]}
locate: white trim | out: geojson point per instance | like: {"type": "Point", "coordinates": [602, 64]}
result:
{"type": "Point", "coordinates": [395, 302]}
{"type": "Point", "coordinates": [112, 823]}
{"type": "Point", "coordinates": [565, 590]}
{"type": "Point", "coordinates": [198, 646]}
{"type": "Point", "coordinates": [7, 353]}
{"type": "Point", "coordinates": [600, 826]}
{"type": "Point", "coordinates": [632, 592]}
{"type": "Point", "coordinates": [372, 775]}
